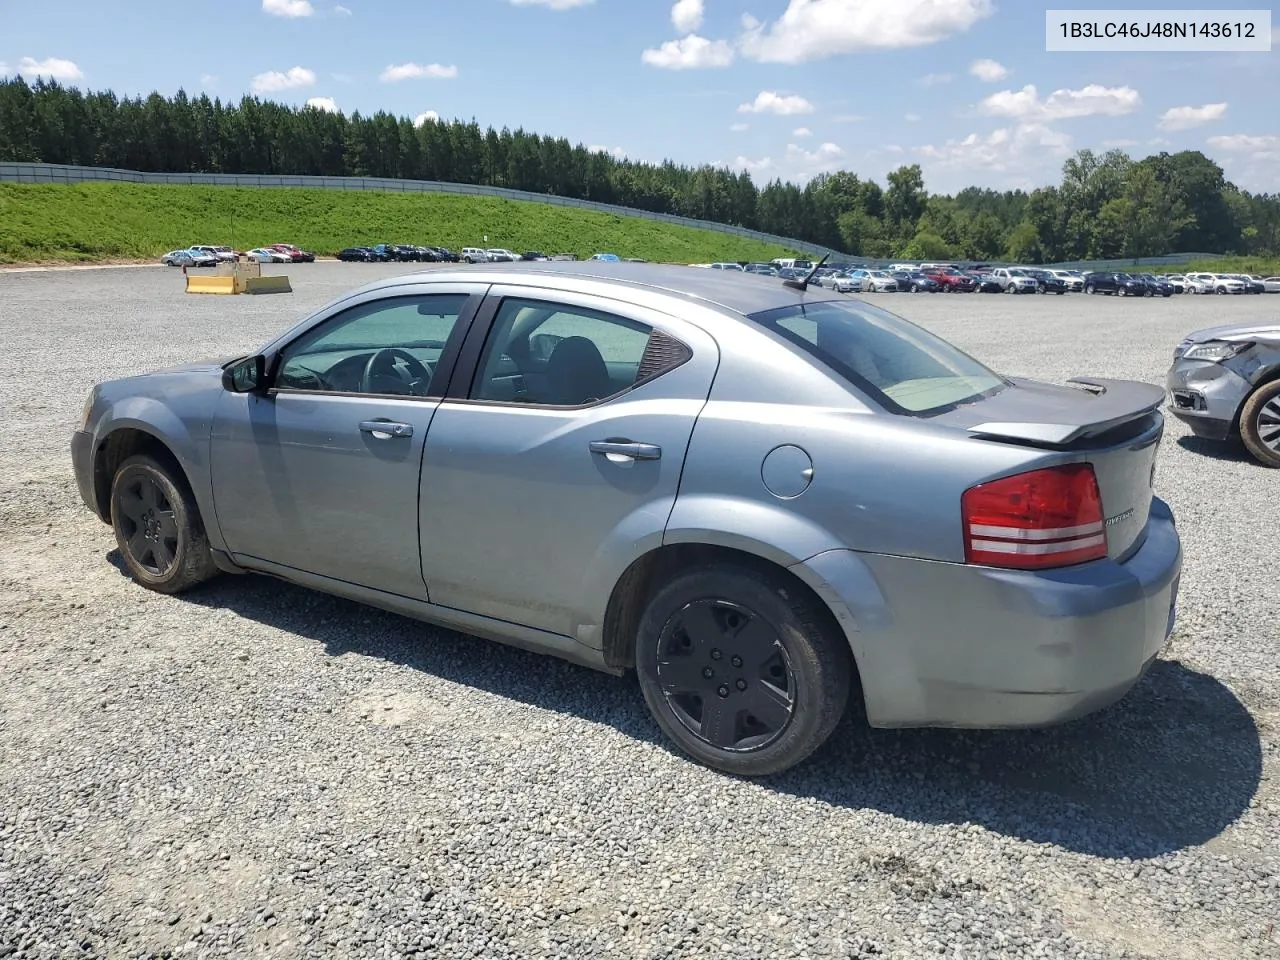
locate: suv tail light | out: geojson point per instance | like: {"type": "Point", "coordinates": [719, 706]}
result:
{"type": "Point", "coordinates": [1037, 520]}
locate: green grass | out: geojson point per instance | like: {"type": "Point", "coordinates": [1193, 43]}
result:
{"type": "Point", "coordinates": [1256, 266]}
{"type": "Point", "coordinates": [121, 221]}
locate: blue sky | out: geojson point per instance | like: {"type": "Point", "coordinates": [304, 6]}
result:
{"type": "Point", "coordinates": [785, 88]}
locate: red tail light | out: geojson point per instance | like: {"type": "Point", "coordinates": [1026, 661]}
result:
{"type": "Point", "coordinates": [1032, 521]}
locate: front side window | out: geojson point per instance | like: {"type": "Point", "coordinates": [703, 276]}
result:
{"type": "Point", "coordinates": [902, 366]}
{"type": "Point", "coordinates": [558, 355]}
{"type": "Point", "coordinates": [385, 347]}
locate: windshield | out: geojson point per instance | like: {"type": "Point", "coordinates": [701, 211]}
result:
{"type": "Point", "coordinates": [903, 367]}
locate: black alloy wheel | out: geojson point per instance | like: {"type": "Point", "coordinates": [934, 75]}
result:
{"type": "Point", "coordinates": [725, 675]}
{"type": "Point", "coordinates": [742, 669]}
{"type": "Point", "coordinates": [147, 523]}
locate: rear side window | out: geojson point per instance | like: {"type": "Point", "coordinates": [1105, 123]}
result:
{"type": "Point", "coordinates": [903, 367]}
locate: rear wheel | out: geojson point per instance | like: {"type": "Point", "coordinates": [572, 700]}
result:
{"type": "Point", "coordinates": [157, 526]}
{"type": "Point", "coordinates": [1260, 424]}
{"type": "Point", "coordinates": [741, 670]}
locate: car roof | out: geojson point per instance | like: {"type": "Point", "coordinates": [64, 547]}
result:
{"type": "Point", "coordinates": [740, 294]}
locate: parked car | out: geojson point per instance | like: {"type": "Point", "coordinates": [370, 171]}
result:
{"type": "Point", "coordinates": [356, 255]}
{"type": "Point", "coordinates": [1014, 280]}
{"type": "Point", "coordinates": [501, 255]}
{"type": "Point", "coordinates": [1251, 284]}
{"type": "Point", "coordinates": [445, 255]}
{"type": "Point", "coordinates": [1223, 284]}
{"type": "Point", "coordinates": [267, 255]}
{"type": "Point", "coordinates": [1175, 280]}
{"type": "Point", "coordinates": [879, 281]}
{"type": "Point", "coordinates": [1072, 280]}
{"type": "Point", "coordinates": [724, 266]}
{"type": "Point", "coordinates": [534, 255]}
{"type": "Point", "coordinates": [913, 281]}
{"type": "Point", "coordinates": [1028, 506]}
{"type": "Point", "coordinates": [1225, 382]}
{"type": "Point", "coordinates": [1046, 281]}
{"type": "Point", "coordinates": [952, 280]}
{"type": "Point", "coordinates": [1156, 286]}
{"type": "Point", "coordinates": [1119, 284]}
{"type": "Point", "coordinates": [177, 258]}
{"type": "Point", "coordinates": [1198, 282]}
{"type": "Point", "coordinates": [475, 255]}
{"type": "Point", "coordinates": [987, 282]}
{"type": "Point", "coordinates": [845, 283]}
{"type": "Point", "coordinates": [606, 257]}
{"type": "Point", "coordinates": [219, 254]}
{"type": "Point", "coordinates": [296, 254]}
{"type": "Point", "coordinates": [1271, 284]}
{"type": "Point", "coordinates": [764, 269]}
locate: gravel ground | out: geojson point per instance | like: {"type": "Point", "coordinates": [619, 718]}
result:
{"type": "Point", "coordinates": [257, 770]}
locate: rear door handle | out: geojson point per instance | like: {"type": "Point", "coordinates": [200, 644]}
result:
{"type": "Point", "coordinates": [627, 448]}
{"type": "Point", "coordinates": [386, 429]}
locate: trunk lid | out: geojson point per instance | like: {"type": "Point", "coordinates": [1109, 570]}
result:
{"type": "Point", "coordinates": [1115, 425]}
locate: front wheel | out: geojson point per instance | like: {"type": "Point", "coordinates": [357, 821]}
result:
{"type": "Point", "coordinates": [1260, 424]}
{"type": "Point", "coordinates": [741, 669]}
{"type": "Point", "coordinates": [158, 527]}
{"type": "Point", "coordinates": [1090, 289]}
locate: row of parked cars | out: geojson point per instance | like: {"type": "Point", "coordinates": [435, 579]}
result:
{"type": "Point", "coordinates": [206, 255]}
{"type": "Point", "coordinates": [412, 253]}
{"type": "Point", "coordinates": [948, 278]}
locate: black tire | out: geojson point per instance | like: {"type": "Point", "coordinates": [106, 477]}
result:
{"type": "Point", "coordinates": [751, 630]}
{"type": "Point", "coordinates": [1260, 424]}
{"type": "Point", "coordinates": [1221, 291]}
{"type": "Point", "coordinates": [1090, 289]}
{"type": "Point", "coordinates": [158, 527]}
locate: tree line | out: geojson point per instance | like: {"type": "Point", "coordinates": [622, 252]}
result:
{"type": "Point", "coordinates": [1107, 206]}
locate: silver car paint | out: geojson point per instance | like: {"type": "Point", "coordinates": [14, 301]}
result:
{"type": "Point", "coordinates": [876, 532]}
{"type": "Point", "coordinates": [1218, 389]}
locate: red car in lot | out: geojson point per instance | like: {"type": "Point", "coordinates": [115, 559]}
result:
{"type": "Point", "coordinates": [296, 254]}
{"type": "Point", "coordinates": [953, 281]}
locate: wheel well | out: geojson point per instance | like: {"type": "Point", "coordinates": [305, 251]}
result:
{"type": "Point", "coordinates": [1269, 377]}
{"type": "Point", "coordinates": [649, 573]}
{"type": "Point", "coordinates": [119, 446]}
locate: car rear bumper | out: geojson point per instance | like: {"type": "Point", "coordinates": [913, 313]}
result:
{"type": "Point", "coordinates": [1205, 396]}
{"type": "Point", "coordinates": [82, 467]}
{"type": "Point", "coordinates": [993, 648]}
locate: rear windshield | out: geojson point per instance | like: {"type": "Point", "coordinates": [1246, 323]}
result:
{"type": "Point", "coordinates": [903, 367]}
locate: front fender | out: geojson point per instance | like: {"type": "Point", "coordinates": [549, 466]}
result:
{"type": "Point", "coordinates": [186, 440]}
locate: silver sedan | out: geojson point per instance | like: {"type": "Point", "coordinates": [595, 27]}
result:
{"type": "Point", "coordinates": [767, 499]}
{"type": "Point", "coordinates": [1225, 382]}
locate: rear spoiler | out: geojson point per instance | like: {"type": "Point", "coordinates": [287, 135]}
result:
{"type": "Point", "coordinates": [1115, 402]}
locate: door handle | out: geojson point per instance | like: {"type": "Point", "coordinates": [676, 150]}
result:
{"type": "Point", "coordinates": [386, 429]}
{"type": "Point", "coordinates": [627, 448]}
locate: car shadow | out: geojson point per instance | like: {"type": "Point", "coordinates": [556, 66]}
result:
{"type": "Point", "coordinates": [1170, 766]}
{"type": "Point", "coordinates": [1230, 451]}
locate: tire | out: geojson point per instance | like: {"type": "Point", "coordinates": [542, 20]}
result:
{"type": "Point", "coordinates": [1221, 291]}
{"type": "Point", "coordinates": [1260, 424]}
{"type": "Point", "coordinates": [1090, 289]}
{"type": "Point", "coordinates": [149, 494]}
{"type": "Point", "coordinates": [785, 637]}
{"type": "Point", "coordinates": [1059, 292]}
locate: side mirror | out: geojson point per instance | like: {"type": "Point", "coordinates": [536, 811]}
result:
{"type": "Point", "coordinates": [245, 376]}
{"type": "Point", "coordinates": [541, 345]}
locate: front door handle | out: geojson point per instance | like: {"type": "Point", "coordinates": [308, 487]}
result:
{"type": "Point", "coordinates": [386, 429]}
{"type": "Point", "coordinates": [627, 449]}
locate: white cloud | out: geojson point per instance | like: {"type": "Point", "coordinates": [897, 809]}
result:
{"type": "Point", "coordinates": [273, 81]}
{"type": "Point", "coordinates": [815, 29]}
{"type": "Point", "coordinates": [935, 79]}
{"type": "Point", "coordinates": [740, 127]}
{"type": "Point", "coordinates": [911, 117]}
{"type": "Point", "coordinates": [53, 68]}
{"type": "Point", "coordinates": [206, 79]}
{"type": "Point", "coordinates": [802, 132]}
{"type": "Point", "coordinates": [1183, 118]}
{"type": "Point", "coordinates": [1093, 100]}
{"type": "Point", "coordinates": [689, 53]}
{"type": "Point", "coordinates": [1121, 144]}
{"type": "Point", "coordinates": [327, 104]}
{"type": "Point", "coordinates": [763, 165]}
{"type": "Point", "coordinates": [798, 164]}
{"type": "Point", "coordinates": [416, 71]}
{"type": "Point", "coordinates": [287, 8]}
{"type": "Point", "coordinates": [1261, 147]}
{"type": "Point", "coordinates": [551, 4]}
{"type": "Point", "coordinates": [988, 71]}
{"type": "Point", "coordinates": [429, 116]}
{"type": "Point", "coordinates": [340, 11]}
{"type": "Point", "coordinates": [892, 148]}
{"type": "Point", "coordinates": [687, 15]}
{"type": "Point", "coordinates": [1028, 154]}
{"type": "Point", "coordinates": [616, 152]}
{"type": "Point", "coordinates": [769, 102]}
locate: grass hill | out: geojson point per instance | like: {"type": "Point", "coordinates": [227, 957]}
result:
{"type": "Point", "coordinates": [121, 221]}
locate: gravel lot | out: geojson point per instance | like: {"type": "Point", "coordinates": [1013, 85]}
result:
{"type": "Point", "coordinates": [257, 770]}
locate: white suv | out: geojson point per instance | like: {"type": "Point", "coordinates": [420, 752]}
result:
{"type": "Point", "coordinates": [1014, 281]}
{"type": "Point", "coordinates": [500, 255]}
{"type": "Point", "coordinates": [474, 255]}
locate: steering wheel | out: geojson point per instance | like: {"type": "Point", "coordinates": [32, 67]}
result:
{"type": "Point", "coordinates": [382, 364]}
